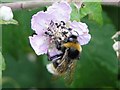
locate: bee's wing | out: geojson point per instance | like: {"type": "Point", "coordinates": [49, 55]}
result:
{"type": "Point", "coordinates": [63, 65]}
{"type": "Point", "coordinates": [66, 67]}
{"type": "Point", "coordinates": [70, 72]}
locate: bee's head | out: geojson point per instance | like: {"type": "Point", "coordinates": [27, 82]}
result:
{"type": "Point", "coordinates": [72, 38]}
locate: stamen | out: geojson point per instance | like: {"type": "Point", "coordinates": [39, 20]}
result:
{"type": "Point", "coordinates": [51, 23]}
{"type": "Point", "coordinates": [60, 38]}
{"type": "Point", "coordinates": [62, 27]}
{"type": "Point", "coordinates": [64, 33]}
{"type": "Point", "coordinates": [48, 29]}
{"type": "Point", "coordinates": [58, 30]}
{"type": "Point", "coordinates": [69, 29]}
{"type": "Point", "coordinates": [56, 24]}
{"type": "Point", "coordinates": [48, 33]}
{"type": "Point", "coordinates": [63, 22]}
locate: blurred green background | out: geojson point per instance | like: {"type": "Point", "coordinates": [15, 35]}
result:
{"type": "Point", "coordinates": [97, 68]}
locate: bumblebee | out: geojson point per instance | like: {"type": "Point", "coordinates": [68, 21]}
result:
{"type": "Point", "coordinates": [64, 63]}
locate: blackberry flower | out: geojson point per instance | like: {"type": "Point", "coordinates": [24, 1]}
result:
{"type": "Point", "coordinates": [55, 24]}
{"type": "Point", "coordinates": [6, 13]}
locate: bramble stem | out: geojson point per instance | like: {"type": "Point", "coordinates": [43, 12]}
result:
{"type": "Point", "coordinates": [39, 3]}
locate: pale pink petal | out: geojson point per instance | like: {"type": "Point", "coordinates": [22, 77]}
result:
{"type": "Point", "coordinates": [40, 44]}
{"type": "Point", "coordinates": [80, 27]}
{"type": "Point", "coordinates": [84, 39]}
{"type": "Point", "coordinates": [60, 11]}
{"type": "Point", "coordinates": [54, 51]}
{"type": "Point", "coordinates": [82, 30]}
{"type": "Point", "coordinates": [40, 22]}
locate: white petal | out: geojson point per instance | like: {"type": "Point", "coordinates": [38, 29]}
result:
{"type": "Point", "coordinates": [40, 22]}
{"type": "Point", "coordinates": [116, 46]}
{"type": "Point", "coordinates": [54, 51]}
{"type": "Point", "coordinates": [84, 39]}
{"type": "Point", "coordinates": [6, 13]}
{"type": "Point", "coordinates": [60, 11]}
{"type": "Point", "coordinates": [80, 27]}
{"type": "Point", "coordinates": [39, 43]}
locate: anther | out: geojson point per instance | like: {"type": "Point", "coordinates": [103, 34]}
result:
{"type": "Point", "coordinates": [60, 38]}
{"type": "Point", "coordinates": [64, 33]}
{"type": "Point", "coordinates": [69, 29]}
{"type": "Point", "coordinates": [48, 29]}
{"type": "Point", "coordinates": [56, 24]}
{"type": "Point", "coordinates": [51, 23]}
{"type": "Point", "coordinates": [46, 33]}
{"type": "Point", "coordinates": [62, 27]}
{"type": "Point", "coordinates": [63, 22]}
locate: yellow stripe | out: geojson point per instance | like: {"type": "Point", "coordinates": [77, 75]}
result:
{"type": "Point", "coordinates": [74, 45]}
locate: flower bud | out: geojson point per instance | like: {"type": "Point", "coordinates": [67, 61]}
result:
{"type": "Point", "coordinates": [116, 46]}
{"type": "Point", "coordinates": [6, 13]}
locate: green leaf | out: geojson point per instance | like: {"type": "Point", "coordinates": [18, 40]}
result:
{"type": "Point", "coordinates": [93, 10]}
{"type": "Point", "coordinates": [2, 62]}
{"type": "Point", "coordinates": [8, 22]}
{"type": "Point", "coordinates": [75, 13]}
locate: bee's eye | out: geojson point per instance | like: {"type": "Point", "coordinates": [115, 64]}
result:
{"type": "Point", "coordinates": [70, 39]}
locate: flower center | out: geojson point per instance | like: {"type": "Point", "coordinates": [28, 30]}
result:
{"type": "Point", "coordinates": [58, 30]}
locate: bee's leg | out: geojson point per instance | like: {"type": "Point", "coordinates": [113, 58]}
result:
{"type": "Point", "coordinates": [58, 45]}
{"type": "Point", "coordinates": [56, 57]}
{"type": "Point", "coordinates": [48, 55]}
{"type": "Point", "coordinates": [53, 58]}
{"type": "Point", "coordinates": [79, 56]}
